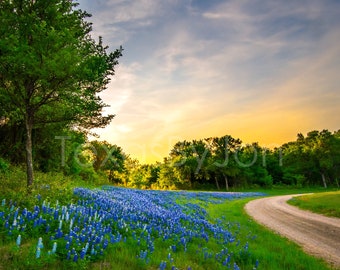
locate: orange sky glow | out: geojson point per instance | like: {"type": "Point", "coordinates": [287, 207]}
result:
{"type": "Point", "coordinates": [261, 71]}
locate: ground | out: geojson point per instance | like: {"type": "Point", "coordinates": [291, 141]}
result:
{"type": "Point", "coordinates": [318, 235]}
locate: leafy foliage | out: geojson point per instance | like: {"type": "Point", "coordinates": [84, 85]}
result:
{"type": "Point", "coordinates": [51, 70]}
{"type": "Point", "coordinates": [225, 162]}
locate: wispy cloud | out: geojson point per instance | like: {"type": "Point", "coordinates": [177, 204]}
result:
{"type": "Point", "coordinates": [259, 70]}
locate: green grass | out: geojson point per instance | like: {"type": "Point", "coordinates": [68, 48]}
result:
{"type": "Point", "coordinates": [326, 203]}
{"type": "Point", "coordinates": [272, 251]}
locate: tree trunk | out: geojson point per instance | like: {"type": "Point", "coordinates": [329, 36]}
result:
{"type": "Point", "coordinates": [337, 182]}
{"type": "Point", "coordinates": [111, 176]}
{"type": "Point", "coordinates": [217, 185]}
{"type": "Point", "coordinates": [29, 158]}
{"type": "Point", "coordinates": [226, 182]}
{"type": "Point", "coordinates": [324, 180]}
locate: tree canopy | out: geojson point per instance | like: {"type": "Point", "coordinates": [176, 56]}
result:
{"type": "Point", "coordinates": [51, 69]}
{"type": "Point", "coordinates": [225, 162]}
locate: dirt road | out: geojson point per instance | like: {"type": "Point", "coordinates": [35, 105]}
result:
{"type": "Point", "coordinates": [317, 234]}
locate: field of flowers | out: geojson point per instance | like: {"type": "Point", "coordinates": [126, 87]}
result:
{"type": "Point", "coordinates": [84, 231]}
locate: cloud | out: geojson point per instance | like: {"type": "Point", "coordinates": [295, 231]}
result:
{"type": "Point", "coordinates": [258, 70]}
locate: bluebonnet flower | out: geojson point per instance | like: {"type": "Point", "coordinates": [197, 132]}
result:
{"type": "Point", "coordinates": [56, 214]}
{"type": "Point", "coordinates": [82, 253]}
{"type": "Point", "coordinates": [18, 242]}
{"type": "Point", "coordinates": [143, 254]}
{"type": "Point", "coordinates": [162, 265]}
{"type": "Point", "coordinates": [86, 247]}
{"type": "Point", "coordinates": [75, 258]}
{"type": "Point", "coordinates": [105, 244]}
{"type": "Point", "coordinates": [38, 253]}
{"type": "Point", "coordinates": [105, 217]}
{"type": "Point", "coordinates": [236, 267]}
{"type": "Point", "coordinates": [54, 248]}
{"type": "Point", "coordinates": [40, 243]}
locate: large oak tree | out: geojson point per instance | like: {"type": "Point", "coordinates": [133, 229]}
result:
{"type": "Point", "coordinates": [51, 69]}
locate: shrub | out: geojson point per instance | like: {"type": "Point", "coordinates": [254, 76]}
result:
{"type": "Point", "coordinates": [4, 165]}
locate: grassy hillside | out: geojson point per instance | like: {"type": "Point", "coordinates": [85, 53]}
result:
{"type": "Point", "coordinates": [134, 229]}
{"type": "Point", "coordinates": [326, 203]}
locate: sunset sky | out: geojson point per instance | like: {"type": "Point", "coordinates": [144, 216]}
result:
{"type": "Point", "coordinates": [258, 70]}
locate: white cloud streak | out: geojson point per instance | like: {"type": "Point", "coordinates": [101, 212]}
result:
{"type": "Point", "coordinates": [194, 71]}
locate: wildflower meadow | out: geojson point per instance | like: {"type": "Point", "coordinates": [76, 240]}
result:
{"type": "Point", "coordinates": [159, 228]}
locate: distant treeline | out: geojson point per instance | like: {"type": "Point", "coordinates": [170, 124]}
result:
{"type": "Point", "coordinates": [224, 163]}
{"type": "Point", "coordinates": [217, 162]}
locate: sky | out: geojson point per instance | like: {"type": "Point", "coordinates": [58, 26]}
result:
{"type": "Point", "coordinates": [259, 70]}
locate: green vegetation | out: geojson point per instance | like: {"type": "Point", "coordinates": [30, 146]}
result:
{"type": "Point", "coordinates": [51, 74]}
{"type": "Point", "coordinates": [326, 203]}
{"type": "Point", "coordinates": [52, 71]}
{"type": "Point", "coordinates": [311, 162]}
{"type": "Point", "coordinates": [272, 251]}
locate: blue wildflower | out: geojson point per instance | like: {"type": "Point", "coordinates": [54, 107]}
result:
{"type": "Point", "coordinates": [18, 242]}
{"type": "Point", "coordinates": [38, 253]}
{"type": "Point", "coordinates": [40, 243]}
{"type": "Point", "coordinates": [82, 253]}
{"type": "Point", "coordinates": [162, 265]}
{"type": "Point", "coordinates": [54, 248]}
{"type": "Point", "coordinates": [236, 267]}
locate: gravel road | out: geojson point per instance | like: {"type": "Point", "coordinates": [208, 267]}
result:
{"type": "Point", "coordinates": [318, 235]}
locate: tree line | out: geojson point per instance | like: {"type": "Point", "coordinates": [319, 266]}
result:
{"type": "Point", "coordinates": [225, 162]}
{"type": "Point", "coordinates": [220, 163]}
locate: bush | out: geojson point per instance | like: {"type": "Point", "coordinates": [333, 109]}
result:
{"type": "Point", "coordinates": [52, 186]}
{"type": "Point", "coordinates": [4, 165]}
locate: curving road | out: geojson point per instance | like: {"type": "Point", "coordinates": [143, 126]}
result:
{"type": "Point", "coordinates": [317, 234]}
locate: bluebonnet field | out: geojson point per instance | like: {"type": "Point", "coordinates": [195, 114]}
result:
{"type": "Point", "coordinates": [148, 220]}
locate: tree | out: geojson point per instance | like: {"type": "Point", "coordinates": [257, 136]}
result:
{"type": "Point", "coordinates": [183, 161]}
{"type": "Point", "coordinates": [324, 150]}
{"type": "Point", "coordinates": [136, 175]}
{"type": "Point", "coordinates": [222, 163]}
{"type": "Point", "coordinates": [251, 158]}
{"type": "Point", "coordinates": [169, 177]}
{"type": "Point", "coordinates": [51, 69]}
{"type": "Point", "coordinates": [108, 157]}
{"type": "Point", "coordinates": [312, 158]}
{"type": "Point", "coordinates": [336, 151]}
{"type": "Point", "coordinates": [273, 163]}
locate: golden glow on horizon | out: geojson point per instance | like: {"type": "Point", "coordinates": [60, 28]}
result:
{"type": "Point", "coordinates": [269, 82]}
{"type": "Point", "coordinates": [269, 128]}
